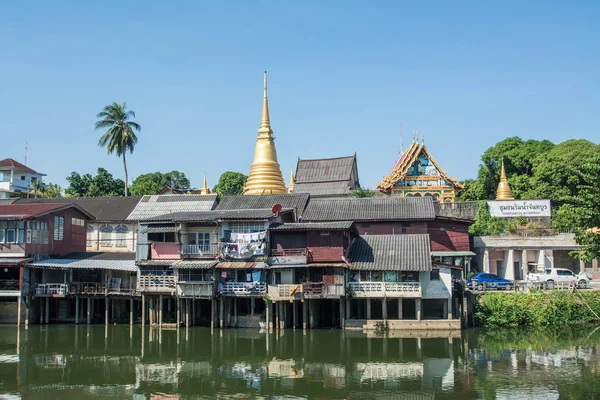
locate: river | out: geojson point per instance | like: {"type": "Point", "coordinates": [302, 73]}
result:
{"type": "Point", "coordinates": [78, 362]}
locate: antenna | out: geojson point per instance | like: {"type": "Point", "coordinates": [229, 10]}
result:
{"type": "Point", "coordinates": [25, 153]}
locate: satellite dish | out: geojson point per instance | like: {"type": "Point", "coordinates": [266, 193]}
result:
{"type": "Point", "coordinates": [277, 209]}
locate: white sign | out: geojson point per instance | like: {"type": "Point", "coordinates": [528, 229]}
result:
{"type": "Point", "coordinates": [519, 208]}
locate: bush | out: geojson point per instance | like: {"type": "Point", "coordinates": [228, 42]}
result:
{"type": "Point", "coordinates": [557, 308]}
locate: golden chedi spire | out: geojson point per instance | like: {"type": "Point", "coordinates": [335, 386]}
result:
{"type": "Point", "coordinates": [265, 173]}
{"type": "Point", "coordinates": [204, 189]}
{"type": "Point", "coordinates": [504, 192]}
{"type": "Point", "coordinates": [292, 183]}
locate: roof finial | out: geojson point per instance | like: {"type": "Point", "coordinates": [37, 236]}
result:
{"type": "Point", "coordinates": [204, 189]}
{"type": "Point", "coordinates": [504, 192]}
{"type": "Point", "coordinates": [423, 138]}
{"type": "Point", "coordinates": [265, 123]}
{"type": "Point", "coordinates": [292, 182]}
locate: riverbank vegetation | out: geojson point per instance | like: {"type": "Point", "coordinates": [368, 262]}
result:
{"type": "Point", "coordinates": [554, 309]}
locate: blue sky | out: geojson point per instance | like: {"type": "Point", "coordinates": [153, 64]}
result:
{"type": "Point", "coordinates": [343, 76]}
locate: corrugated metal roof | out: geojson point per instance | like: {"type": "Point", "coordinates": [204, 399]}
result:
{"type": "Point", "coordinates": [452, 253]}
{"type": "Point", "coordinates": [150, 207]}
{"type": "Point", "coordinates": [194, 264]}
{"type": "Point", "coordinates": [325, 169]}
{"type": "Point", "coordinates": [160, 229]}
{"type": "Point", "coordinates": [215, 215]}
{"type": "Point", "coordinates": [370, 209]}
{"type": "Point", "coordinates": [14, 261]}
{"type": "Point", "coordinates": [323, 188]}
{"type": "Point", "coordinates": [410, 252]}
{"type": "Point", "coordinates": [109, 261]}
{"type": "Point", "coordinates": [105, 209]}
{"type": "Point", "coordinates": [309, 226]}
{"type": "Point", "coordinates": [266, 201]}
{"type": "Point", "coordinates": [241, 265]}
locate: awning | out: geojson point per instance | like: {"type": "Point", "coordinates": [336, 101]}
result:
{"type": "Point", "coordinates": [452, 253]}
{"type": "Point", "coordinates": [14, 261]}
{"type": "Point", "coordinates": [117, 265]}
{"type": "Point", "coordinates": [241, 265]}
{"type": "Point", "coordinates": [194, 264]}
{"type": "Point", "coordinates": [160, 229]}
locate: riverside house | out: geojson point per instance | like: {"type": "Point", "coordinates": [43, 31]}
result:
{"type": "Point", "coordinates": [30, 232]}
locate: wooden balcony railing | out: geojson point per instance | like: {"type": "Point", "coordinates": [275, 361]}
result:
{"type": "Point", "coordinates": [242, 288]}
{"type": "Point", "coordinates": [288, 252]}
{"type": "Point", "coordinates": [315, 290]}
{"type": "Point", "coordinates": [285, 292]}
{"type": "Point", "coordinates": [288, 256]}
{"type": "Point", "coordinates": [156, 283]}
{"type": "Point", "coordinates": [385, 289]}
{"type": "Point", "coordinates": [99, 288]}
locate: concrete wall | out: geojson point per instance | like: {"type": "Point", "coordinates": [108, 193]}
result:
{"type": "Point", "coordinates": [441, 289]}
{"type": "Point", "coordinates": [442, 324]}
{"type": "Point", "coordinates": [8, 311]}
{"type": "Point", "coordinates": [94, 242]}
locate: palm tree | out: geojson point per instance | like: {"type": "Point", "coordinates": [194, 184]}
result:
{"type": "Point", "coordinates": [120, 136]}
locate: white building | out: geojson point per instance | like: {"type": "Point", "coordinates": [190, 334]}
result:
{"type": "Point", "coordinates": [16, 179]}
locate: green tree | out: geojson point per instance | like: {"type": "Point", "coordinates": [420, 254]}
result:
{"type": "Point", "coordinates": [361, 192]}
{"type": "Point", "coordinates": [103, 184]}
{"type": "Point", "coordinates": [52, 191]}
{"type": "Point", "coordinates": [152, 183]}
{"type": "Point", "coordinates": [120, 136]}
{"type": "Point", "coordinates": [230, 183]}
{"type": "Point", "coordinates": [485, 224]}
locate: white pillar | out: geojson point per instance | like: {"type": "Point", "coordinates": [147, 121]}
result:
{"type": "Point", "coordinates": [160, 312]}
{"type": "Point", "coordinates": [486, 261]}
{"type": "Point", "coordinates": [400, 316]}
{"type": "Point", "coordinates": [20, 300]}
{"type": "Point", "coordinates": [143, 310]}
{"type": "Point", "coordinates": [368, 308]}
{"type": "Point", "coordinates": [418, 308]}
{"type": "Point", "coordinates": [384, 309]}
{"type": "Point", "coordinates": [509, 271]}
{"type": "Point", "coordinates": [131, 311]}
{"type": "Point", "coordinates": [524, 265]}
{"type": "Point", "coordinates": [89, 310]}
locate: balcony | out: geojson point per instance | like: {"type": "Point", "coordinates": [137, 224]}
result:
{"type": "Point", "coordinates": [156, 283]}
{"type": "Point", "coordinates": [243, 289]}
{"type": "Point", "coordinates": [200, 290]}
{"type": "Point", "coordinates": [385, 289]}
{"type": "Point", "coordinates": [288, 257]}
{"type": "Point", "coordinates": [95, 288]}
{"type": "Point", "coordinates": [9, 284]}
{"type": "Point", "coordinates": [52, 289]}
{"type": "Point", "coordinates": [285, 292]}
{"type": "Point", "coordinates": [199, 251]}
{"type": "Point", "coordinates": [319, 290]}
{"type": "Point", "coordinates": [164, 251]}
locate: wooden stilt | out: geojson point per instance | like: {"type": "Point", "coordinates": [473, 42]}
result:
{"type": "Point", "coordinates": [252, 305]}
{"type": "Point", "coordinates": [143, 310]}
{"type": "Point", "coordinates": [400, 316]}
{"type": "Point", "coordinates": [41, 311]}
{"type": "Point", "coordinates": [268, 323]}
{"type": "Point", "coordinates": [212, 314]}
{"type": "Point", "coordinates": [27, 307]}
{"type": "Point", "coordinates": [384, 309]}
{"type": "Point", "coordinates": [295, 313]}
{"type": "Point", "coordinates": [106, 304]}
{"type": "Point", "coordinates": [178, 313]}
{"type": "Point", "coordinates": [20, 300]}
{"type": "Point", "coordinates": [418, 309]}
{"type": "Point", "coordinates": [304, 314]}
{"type": "Point", "coordinates": [235, 315]}
{"type": "Point", "coordinates": [221, 311]}
{"type": "Point", "coordinates": [342, 313]}
{"type": "Point", "coordinates": [277, 325]}
{"type": "Point", "coordinates": [160, 311]}
{"type": "Point", "coordinates": [76, 310]}
{"type": "Point", "coordinates": [47, 310]}
{"type": "Point", "coordinates": [89, 310]}
{"type": "Point", "coordinates": [131, 311]}
{"type": "Point", "coordinates": [193, 312]}
{"type": "Point", "coordinates": [368, 308]}
{"type": "Point", "coordinates": [187, 313]}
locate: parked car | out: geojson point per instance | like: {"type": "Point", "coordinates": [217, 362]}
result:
{"type": "Point", "coordinates": [552, 276]}
{"type": "Point", "coordinates": [485, 280]}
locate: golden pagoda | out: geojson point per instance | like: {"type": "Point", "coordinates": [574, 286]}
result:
{"type": "Point", "coordinates": [265, 173]}
{"type": "Point", "coordinates": [292, 183]}
{"type": "Point", "coordinates": [504, 192]}
{"type": "Point", "coordinates": [204, 189]}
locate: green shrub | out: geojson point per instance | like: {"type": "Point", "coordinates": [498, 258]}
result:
{"type": "Point", "coordinates": [557, 308]}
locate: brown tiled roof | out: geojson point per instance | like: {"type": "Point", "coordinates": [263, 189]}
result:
{"type": "Point", "coordinates": [9, 164]}
{"type": "Point", "coordinates": [325, 170]}
{"type": "Point", "coordinates": [410, 252]}
{"type": "Point", "coordinates": [105, 209]}
{"type": "Point", "coordinates": [370, 209]}
{"type": "Point", "coordinates": [24, 211]}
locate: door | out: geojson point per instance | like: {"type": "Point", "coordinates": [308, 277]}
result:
{"type": "Point", "coordinates": [518, 275]}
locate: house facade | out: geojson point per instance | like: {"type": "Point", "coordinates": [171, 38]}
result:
{"type": "Point", "coordinates": [30, 232]}
{"type": "Point", "coordinates": [16, 179]}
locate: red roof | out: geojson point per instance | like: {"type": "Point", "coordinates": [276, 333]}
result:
{"type": "Point", "coordinates": [24, 211]}
{"type": "Point", "coordinates": [12, 164]}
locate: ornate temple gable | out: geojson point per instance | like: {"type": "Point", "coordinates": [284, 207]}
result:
{"type": "Point", "coordinates": [416, 173]}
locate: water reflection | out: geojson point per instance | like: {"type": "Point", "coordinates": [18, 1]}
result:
{"type": "Point", "coordinates": [119, 362]}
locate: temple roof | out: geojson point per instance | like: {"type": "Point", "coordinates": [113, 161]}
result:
{"type": "Point", "coordinates": [405, 161]}
{"type": "Point", "coordinates": [326, 176]}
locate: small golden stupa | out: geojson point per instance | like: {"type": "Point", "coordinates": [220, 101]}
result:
{"type": "Point", "coordinates": [504, 192]}
{"type": "Point", "coordinates": [292, 183]}
{"type": "Point", "coordinates": [265, 173]}
{"type": "Point", "coordinates": [204, 189]}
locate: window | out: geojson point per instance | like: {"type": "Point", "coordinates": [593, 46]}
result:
{"type": "Point", "coordinates": [410, 277]}
{"type": "Point", "coordinates": [434, 275]}
{"type": "Point", "coordinates": [404, 227]}
{"type": "Point", "coordinates": [12, 231]}
{"type": "Point", "coordinates": [38, 232]}
{"type": "Point", "coordinates": [59, 228]}
{"type": "Point", "coordinates": [122, 232]}
{"type": "Point", "coordinates": [202, 239]}
{"type": "Point", "coordinates": [390, 276]}
{"type": "Point", "coordinates": [77, 222]}
{"type": "Point", "coordinates": [246, 226]}
{"type": "Point", "coordinates": [195, 275]}
{"type": "Point", "coordinates": [106, 235]}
